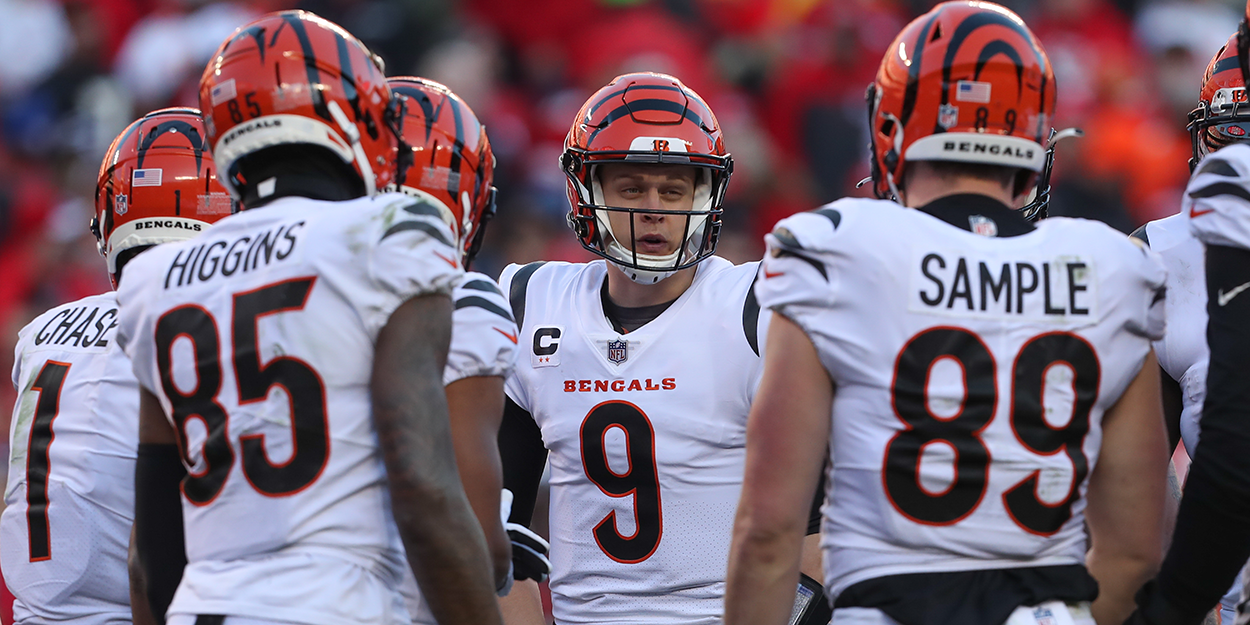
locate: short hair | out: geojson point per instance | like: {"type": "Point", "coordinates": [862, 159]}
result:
{"type": "Point", "coordinates": [1001, 174]}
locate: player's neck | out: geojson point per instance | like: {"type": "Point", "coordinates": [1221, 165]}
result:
{"type": "Point", "coordinates": [284, 171]}
{"type": "Point", "coordinates": [625, 292]}
{"type": "Point", "coordinates": [923, 189]}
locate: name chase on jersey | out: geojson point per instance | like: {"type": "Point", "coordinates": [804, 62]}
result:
{"type": "Point", "coordinates": [69, 327]}
{"type": "Point", "coordinates": [246, 253]}
{"type": "Point", "coordinates": [957, 283]}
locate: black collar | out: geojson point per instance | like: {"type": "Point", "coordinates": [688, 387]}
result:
{"type": "Point", "coordinates": [988, 215]}
{"type": "Point", "coordinates": [299, 184]}
{"type": "Point", "coordinates": [626, 319]}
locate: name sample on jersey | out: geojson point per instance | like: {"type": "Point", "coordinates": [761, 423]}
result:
{"type": "Point", "coordinates": [205, 261]}
{"type": "Point", "coordinates": [960, 284]}
{"type": "Point", "coordinates": [69, 327]}
{"type": "Point", "coordinates": [618, 386]}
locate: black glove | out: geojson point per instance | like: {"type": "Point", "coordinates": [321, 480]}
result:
{"type": "Point", "coordinates": [529, 553]}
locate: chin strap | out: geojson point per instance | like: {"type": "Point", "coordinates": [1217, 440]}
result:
{"type": "Point", "coordinates": [353, 135]}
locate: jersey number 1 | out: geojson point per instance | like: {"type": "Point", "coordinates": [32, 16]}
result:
{"type": "Point", "coordinates": [641, 480]}
{"type": "Point", "coordinates": [49, 382]}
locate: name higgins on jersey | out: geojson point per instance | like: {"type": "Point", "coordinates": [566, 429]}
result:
{"type": "Point", "coordinates": [246, 253]}
{"type": "Point", "coordinates": [948, 282]}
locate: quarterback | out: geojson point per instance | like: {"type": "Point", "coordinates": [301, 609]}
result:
{"type": "Point", "coordinates": [292, 358]}
{"type": "Point", "coordinates": [636, 371]}
{"type": "Point", "coordinates": [70, 497]}
{"type": "Point", "coordinates": [983, 384]}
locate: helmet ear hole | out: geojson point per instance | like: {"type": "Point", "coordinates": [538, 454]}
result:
{"type": "Point", "coordinates": [891, 160]}
{"type": "Point", "coordinates": [887, 127]}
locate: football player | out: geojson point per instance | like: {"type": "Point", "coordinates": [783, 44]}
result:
{"type": "Point", "coordinates": [70, 496]}
{"type": "Point", "coordinates": [984, 384]}
{"type": "Point", "coordinates": [1222, 118]}
{"type": "Point", "coordinates": [1210, 544]}
{"type": "Point", "coordinates": [452, 168]}
{"type": "Point", "coordinates": [297, 351]}
{"type": "Point", "coordinates": [636, 371]}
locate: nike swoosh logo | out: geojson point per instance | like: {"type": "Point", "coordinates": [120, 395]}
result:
{"type": "Point", "coordinates": [446, 260]}
{"type": "Point", "coordinates": [510, 337]}
{"type": "Point", "coordinates": [1193, 212]}
{"type": "Point", "coordinates": [1225, 298]}
{"type": "Point", "coordinates": [773, 274]}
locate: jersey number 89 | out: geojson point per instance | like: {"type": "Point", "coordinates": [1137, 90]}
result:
{"type": "Point", "coordinates": [962, 431]}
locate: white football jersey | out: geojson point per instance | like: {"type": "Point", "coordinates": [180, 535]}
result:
{"type": "Point", "coordinates": [72, 445]}
{"type": "Point", "coordinates": [972, 375]}
{"type": "Point", "coordinates": [483, 336]}
{"type": "Point", "coordinates": [258, 339]}
{"type": "Point", "coordinates": [1216, 209]}
{"type": "Point", "coordinates": [1217, 200]}
{"type": "Point", "coordinates": [483, 343]}
{"type": "Point", "coordinates": [647, 435]}
{"type": "Point", "coordinates": [1183, 352]}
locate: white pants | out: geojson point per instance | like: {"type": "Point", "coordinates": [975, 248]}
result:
{"type": "Point", "coordinates": [1048, 613]}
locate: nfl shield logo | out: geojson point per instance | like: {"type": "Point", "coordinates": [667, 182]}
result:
{"type": "Point", "coordinates": [948, 116]}
{"type": "Point", "coordinates": [120, 205]}
{"type": "Point", "coordinates": [983, 225]}
{"type": "Point", "coordinates": [618, 351]}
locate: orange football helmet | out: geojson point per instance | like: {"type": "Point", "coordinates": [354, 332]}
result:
{"type": "Point", "coordinates": [294, 78]}
{"type": "Point", "coordinates": [157, 184]}
{"type": "Point", "coordinates": [1243, 44]}
{"type": "Point", "coordinates": [646, 118]}
{"type": "Point", "coordinates": [965, 82]}
{"type": "Point", "coordinates": [453, 161]}
{"type": "Point", "coordinates": [1223, 113]}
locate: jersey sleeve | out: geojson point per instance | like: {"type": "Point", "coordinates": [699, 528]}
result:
{"type": "Point", "coordinates": [413, 255]}
{"type": "Point", "coordinates": [17, 357]}
{"type": "Point", "coordinates": [1151, 320]}
{"type": "Point", "coordinates": [513, 387]}
{"type": "Point", "coordinates": [1217, 199]}
{"type": "Point", "coordinates": [484, 335]}
{"type": "Point", "coordinates": [797, 275]}
{"type": "Point", "coordinates": [133, 323]}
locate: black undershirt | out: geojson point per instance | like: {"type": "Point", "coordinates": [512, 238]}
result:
{"type": "Point", "coordinates": [962, 209]}
{"type": "Point", "coordinates": [626, 319]}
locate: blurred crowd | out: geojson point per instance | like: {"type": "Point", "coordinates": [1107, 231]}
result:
{"type": "Point", "coordinates": [785, 77]}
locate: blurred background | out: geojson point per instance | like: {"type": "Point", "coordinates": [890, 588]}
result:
{"type": "Point", "coordinates": [785, 77]}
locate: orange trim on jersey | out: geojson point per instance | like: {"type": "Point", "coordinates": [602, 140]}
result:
{"type": "Point", "coordinates": [511, 337]}
{"type": "Point", "coordinates": [446, 260]}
